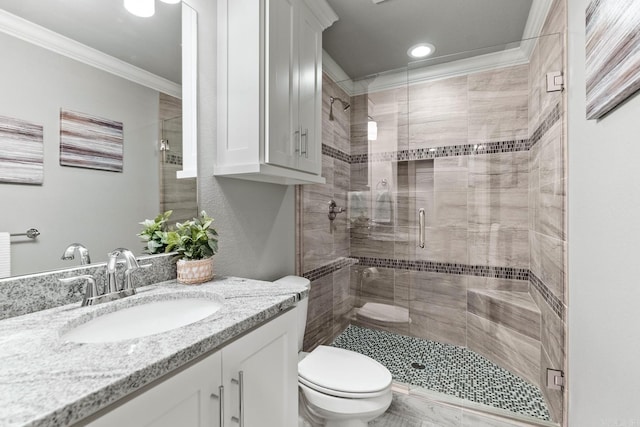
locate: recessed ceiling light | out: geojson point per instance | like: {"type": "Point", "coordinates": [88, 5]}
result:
{"type": "Point", "coordinates": [141, 8]}
{"type": "Point", "coordinates": [421, 50]}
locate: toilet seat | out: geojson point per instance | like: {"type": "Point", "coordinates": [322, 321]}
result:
{"type": "Point", "coordinates": [343, 373]}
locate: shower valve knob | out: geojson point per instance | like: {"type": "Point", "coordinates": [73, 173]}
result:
{"type": "Point", "coordinates": [334, 210]}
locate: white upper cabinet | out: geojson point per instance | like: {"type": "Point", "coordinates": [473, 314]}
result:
{"type": "Point", "coordinates": [269, 83]}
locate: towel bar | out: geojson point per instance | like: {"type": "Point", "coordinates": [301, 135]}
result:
{"type": "Point", "coordinates": [31, 233]}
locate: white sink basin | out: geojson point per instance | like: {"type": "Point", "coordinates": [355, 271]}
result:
{"type": "Point", "coordinates": [143, 320]}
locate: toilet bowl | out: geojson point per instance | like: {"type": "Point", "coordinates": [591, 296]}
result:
{"type": "Point", "coordinates": [342, 387]}
{"type": "Point", "coordinates": [339, 388]}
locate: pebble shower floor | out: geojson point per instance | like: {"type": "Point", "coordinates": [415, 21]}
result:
{"type": "Point", "coordinates": [448, 369]}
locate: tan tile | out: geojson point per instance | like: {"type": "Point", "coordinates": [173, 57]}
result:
{"type": "Point", "coordinates": [449, 209]}
{"type": "Point", "coordinates": [438, 113]}
{"type": "Point", "coordinates": [444, 244]}
{"type": "Point", "coordinates": [507, 208]}
{"type": "Point", "coordinates": [318, 248]}
{"type": "Point", "coordinates": [552, 254]}
{"type": "Point", "coordinates": [536, 80]}
{"type": "Point", "coordinates": [498, 105]}
{"type": "Point", "coordinates": [498, 247]}
{"type": "Point", "coordinates": [450, 174]}
{"type": "Point", "coordinates": [492, 283]}
{"type": "Point", "coordinates": [509, 349]}
{"type": "Point", "coordinates": [499, 171]}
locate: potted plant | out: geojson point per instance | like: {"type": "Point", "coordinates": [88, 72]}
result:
{"type": "Point", "coordinates": [154, 233]}
{"type": "Point", "coordinates": [195, 242]}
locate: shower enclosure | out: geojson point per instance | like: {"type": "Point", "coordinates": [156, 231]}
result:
{"type": "Point", "coordinates": [448, 264]}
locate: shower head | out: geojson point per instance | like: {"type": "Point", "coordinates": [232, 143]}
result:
{"type": "Point", "coordinates": [345, 105]}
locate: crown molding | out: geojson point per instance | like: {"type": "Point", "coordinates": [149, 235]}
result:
{"type": "Point", "coordinates": [533, 28]}
{"type": "Point", "coordinates": [336, 73]}
{"type": "Point", "coordinates": [35, 34]}
{"type": "Point", "coordinates": [323, 12]}
{"type": "Point", "coordinates": [398, 78]}
{"type": "Point", "coordinates": [462, 67]}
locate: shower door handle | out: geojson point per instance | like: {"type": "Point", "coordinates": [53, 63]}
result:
{"type": "Point", "coordinates": [421, 226]}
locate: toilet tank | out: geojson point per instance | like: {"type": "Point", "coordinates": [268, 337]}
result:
{"type": "Point", "coordinates": [303, 305]}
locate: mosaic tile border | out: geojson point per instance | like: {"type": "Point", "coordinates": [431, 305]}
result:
{"type": "Point", "coordinates": [450, 151]}
{"type": "Point", "coordinates": [464, 149]}
{"type": "Point", "coordinates": [327, 269]}
{"type": "Point", "coordinates": [335, 153]}
{"type": "Point", "coordinates": [173, 159]}
{"type": "Point", "coordinates": [546, 124]}
{"type": "Point", "coordinates": [554, 302]}
{"type": "Point", "coordinates": [447, 268]}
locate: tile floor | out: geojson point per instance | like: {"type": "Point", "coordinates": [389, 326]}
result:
{"type": "Point", "coordinates": [448, 369]}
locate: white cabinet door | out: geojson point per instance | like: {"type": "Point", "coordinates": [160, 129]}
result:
{"type": "Point", "coordinates": [260, 376]}
{"type": "Point", "coordinates": [187, 399]}
{"type": "Point", "coordinates": [310, 88]}
{"type": "Point", "coordinates": [281, 114]}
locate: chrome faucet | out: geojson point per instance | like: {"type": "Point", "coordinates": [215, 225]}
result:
{"type": "Point", "coordinates": [111, 289]}
{"type": "Point", "coordinates": [77, 249]}
{"type": "Point", "coordinates": [131, 266]}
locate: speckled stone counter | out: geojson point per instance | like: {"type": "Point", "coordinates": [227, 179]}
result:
{"type": "Point", "coordinates": [45, 381]}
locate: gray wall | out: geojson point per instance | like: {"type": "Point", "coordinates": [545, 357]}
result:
{"type": "Point", "coordinates": [604, 231]}
{"type": "Point", "coordinates": [97, 208]}
{"type": "Point", "coordinates": [255, 221]}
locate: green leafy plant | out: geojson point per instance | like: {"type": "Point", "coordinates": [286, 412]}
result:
{"type": "Point", "coordinates": [154, 233]}
{"type": "Point", "coordinates": [194, 239]}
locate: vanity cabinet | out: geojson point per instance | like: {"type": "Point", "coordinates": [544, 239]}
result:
{"type": "Point", "coordinates": [270, 86]}
{"type": "Point", "coordinates": [254, 377]}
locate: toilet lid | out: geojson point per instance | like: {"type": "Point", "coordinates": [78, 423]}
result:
{"type": "Point", "coordinates": [342, 372]}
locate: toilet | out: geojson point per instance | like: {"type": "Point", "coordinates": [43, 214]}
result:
{"type": "Point", "coordinates": [338, 388]}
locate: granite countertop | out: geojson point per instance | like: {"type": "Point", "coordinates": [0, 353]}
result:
{"type": "Point", "coordinates": [46, 381]}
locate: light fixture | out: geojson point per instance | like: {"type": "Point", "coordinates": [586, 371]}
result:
{"type": "Point", "coordinates": [141, 8]}
{"type": "Point", "coordinates": [421, 50]}
{"type": "Point", "coordinates": [144, 8]}
{"type": "Point", "coordinates": [372, 129]}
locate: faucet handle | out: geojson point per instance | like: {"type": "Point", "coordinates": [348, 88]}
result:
{"type": "Point", "coordinates": [128, 282]}
{"type": "Point", "coordinates": [91, 290]}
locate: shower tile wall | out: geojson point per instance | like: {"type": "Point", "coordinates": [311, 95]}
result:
{"type": "Point", "coordinates": [325, 244]}
{"type": "Point", "coordinates": [547, 199]}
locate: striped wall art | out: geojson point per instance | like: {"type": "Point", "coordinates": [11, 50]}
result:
{"type": "Point", "coordinates": [613, 54]}
{"type": "Point", "coordinates": [90, 142]}
{"type": "Point", "coordinates": [21, 151]}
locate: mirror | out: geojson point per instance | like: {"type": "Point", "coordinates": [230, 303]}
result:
{"type": "Point", "coordinates": [96, 59]}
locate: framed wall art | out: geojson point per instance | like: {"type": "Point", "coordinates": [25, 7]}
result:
{"type": "Point", "coordinates": [613, 54]}
{"type": "Point", "coordinates": [90, 142]}
{"type": "Point", "coordinates": [21, 151]}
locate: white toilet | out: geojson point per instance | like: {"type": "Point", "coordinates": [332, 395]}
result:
{"type": "Point", "coordinates": [339, 388]}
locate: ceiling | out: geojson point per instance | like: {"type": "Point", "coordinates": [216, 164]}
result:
{"type": "Point", "coordinates": [371, 38]}
{"type": "Point", "coordinates": [367, 39]}
{"type": "Point", "coordinates": [152, 44]}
